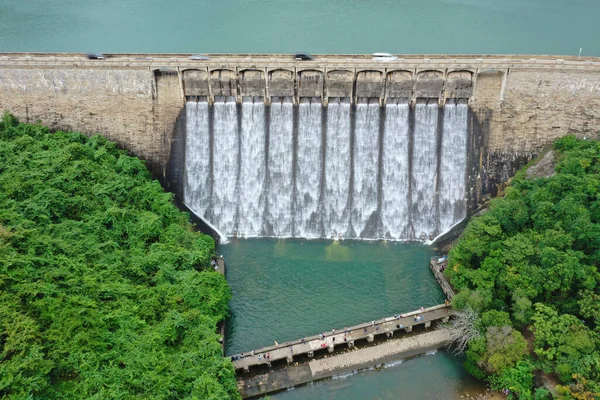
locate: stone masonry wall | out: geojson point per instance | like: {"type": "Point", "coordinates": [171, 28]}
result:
{"type": "Point", "coordinates": [521, 111]}
{"type": "Point", "coordinates": [129, 106]}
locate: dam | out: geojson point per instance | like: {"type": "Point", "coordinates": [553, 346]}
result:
{"type": "Point", "coordinates": [342, 145]}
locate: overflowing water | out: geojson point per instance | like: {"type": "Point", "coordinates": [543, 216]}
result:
{"type": "Point", "coordinates": [337, 167]}
{"type": "Point", "coordinates": [365, 166]}
{"type": "Point", "coordinates": [424, 169]}
{"type": "Point", "coordinates": [197, 187]}
{"type": "Point", "coordinates": [252, 168]}
{"type": "Point", "coordinates": [278, 218]}
{"type": "Point", "coordinates": [225, 165]}
{"type": "Point", "coordinates": [310, 168]}
{"type": "Point", "coordinates": [360, 171]}
{"type": "Point", "coordinates": [453, 173]}
{"type": "Point", "coordinates": [395, 194]}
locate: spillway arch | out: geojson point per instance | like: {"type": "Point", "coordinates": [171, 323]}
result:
{"type": "Point", "coordinates": [352, 169]}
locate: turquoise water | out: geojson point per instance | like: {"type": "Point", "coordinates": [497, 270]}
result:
{"type": "Point", "coordinates": [432, 376]}
{"type": "Point", "coordinates": [318, 26]}
{"type": "Point", "coordinates": [287, 289]}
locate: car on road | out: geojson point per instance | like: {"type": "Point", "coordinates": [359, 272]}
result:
{"type": "Point", "coordinates": [95, 56]}
{"type": "Point", "coordinates": [199, 57]}
{"type": "Point", "coordinates": [384, 57]}
{"type": "Point", "coordinates": [303, 57]}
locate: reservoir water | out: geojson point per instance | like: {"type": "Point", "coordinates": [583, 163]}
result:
{"type": "Point", "coordinates": [318, 26]}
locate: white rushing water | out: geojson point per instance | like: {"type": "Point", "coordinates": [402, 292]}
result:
{"type": "Point", "coordinates": [257, 186]}
{"type": "Point", "coordinates": [309, 169]}
{"type": "Point", "coordinates": [279, 196]}
{"type": "Point", "coordinates": [453, 169]}
{"type": "Point", "coordinates": [252, 169]}
{"type": "Point", "coordinates": [337, 167]}
{"type": "Point", "coordinates": [197, 158]}
{"type": "Point", "coordinates": [366, 165]}
{"type": "Point", "coordinates": [424, 167]}
{"type": "Point", "coordinates": [395, 179]}
{"type": "Point", "coordinates": [225, 166]}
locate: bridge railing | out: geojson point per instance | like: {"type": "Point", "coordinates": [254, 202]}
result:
{"type": "Point", "coordinates": [328, 340]}
{"type": "Point", "coordinates": [438, 266]}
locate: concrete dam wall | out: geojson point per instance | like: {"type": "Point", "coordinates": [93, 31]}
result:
{"type": "Point", "coordinates": [517, 104]}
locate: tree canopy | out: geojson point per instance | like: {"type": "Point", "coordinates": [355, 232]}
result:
{"type": "Point", "coordinates": [533, 260]}
{"type": "Point", "coordinates": [104, 290]}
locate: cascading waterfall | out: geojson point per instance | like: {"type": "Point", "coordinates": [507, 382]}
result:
{"type": "Point", "coordinates": [395, 194]}
{"type": "Point", "coordinates": [453, 165]}
{"type": "Point", "coordinates": [424, 168]}
{"type": "Point", "coordinates": [337, 167]}
{"type": "Point", "coordinates": [364, 174]}
{"type": "Point", "coordinates": [309, 169]}
{"type": "Point", "coordinates": [279, 196]}
{"type": "Point", "coordinates": [225, 165]}
{"type": "Point", "coordinates": [366, 156]}
{"type": "Point", "coordinates": [252, 168]}
{"type": "Point", "coordinates": [197, 190]}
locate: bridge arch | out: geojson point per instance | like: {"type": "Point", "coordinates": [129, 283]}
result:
{"type": "Point", "coordinates": [195, 82]}
{"type": "Point", "coordinates": [399, 84]}
{"type": "Point", "coordinates": [369, 83]}
{"type": "Point", "coordinates": [252, 82]}
{"type": "Point", "coordinates": [459, 84]}
{"type": "Point", "coordinates": [429, 84]}
{"type": "Point", "coordinates": [223, 82]}
{"type": "Point", "coordinates": [339, 83]}
{"type": "Point", "coordinates": [281, 83]}
{"type": "Point", "coordinates": [310, 83]}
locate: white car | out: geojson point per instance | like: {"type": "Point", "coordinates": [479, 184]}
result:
{"type": "Point", "coordinates": [384, 57]}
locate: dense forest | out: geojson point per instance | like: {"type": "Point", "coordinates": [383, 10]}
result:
{"type": "Point", "coordinates": [528, 268]}
{"type": "Point", "coordinates": [104, 290]}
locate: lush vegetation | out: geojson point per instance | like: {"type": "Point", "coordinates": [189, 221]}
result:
{"type": "Point", "coordinates": [529, 267]}
{"type": "Point", "coordinates": [103, 287]}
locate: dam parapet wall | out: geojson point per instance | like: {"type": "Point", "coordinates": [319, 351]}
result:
{"type": "Point", "coordinates": [519, 104]}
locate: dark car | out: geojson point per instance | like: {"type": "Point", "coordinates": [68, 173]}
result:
{"type": "Point", "coordinates": [199, 57]}
{"type": "Point", "coordinates": [303, 57]}
{"type": "Point", "coordinates": [95, 56]}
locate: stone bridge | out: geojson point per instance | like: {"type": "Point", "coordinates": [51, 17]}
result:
{"type": "Point", "coordinates": [341, 337]}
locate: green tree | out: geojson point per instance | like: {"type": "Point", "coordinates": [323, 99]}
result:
{"type": "Point", "coordinates": [104, 285]}
{"type": "Point", "coordinates": [531, 263]}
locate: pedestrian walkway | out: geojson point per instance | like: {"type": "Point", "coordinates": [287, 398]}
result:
{"type": "Point", "coordinates": [437, 265]}
{"type": "Point", "coordinates": [340, 337]}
